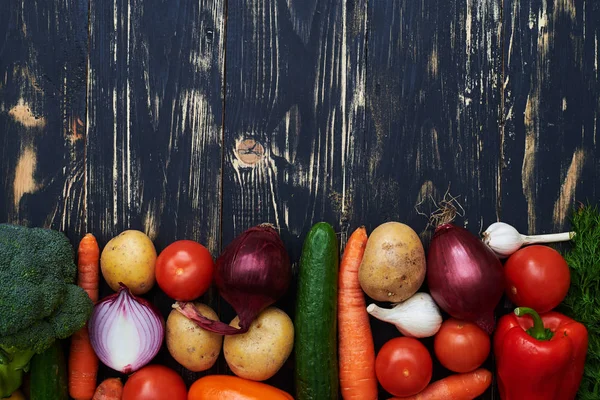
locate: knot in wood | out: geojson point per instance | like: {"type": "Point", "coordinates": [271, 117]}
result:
{"type": "Point", "coordinates": [249, 151]}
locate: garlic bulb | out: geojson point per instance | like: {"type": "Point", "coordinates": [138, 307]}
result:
{"type": "Point", "coordinates": [417, 317]}
{"type": "Point", "coordinates": [504, 239]}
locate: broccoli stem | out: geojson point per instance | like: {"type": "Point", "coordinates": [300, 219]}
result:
{"type": "Point", "coordinates": [4, 357]}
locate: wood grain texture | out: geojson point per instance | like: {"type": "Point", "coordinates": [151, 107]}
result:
{"type": "Point", "coordinates": [551, 111]}
{"type": "Point", "coordinates": [43, 50]}
{"type": "Point", "coordinates": [199, 119]}
{"type": "Point", "coordinates": [155, 117]}
{"type": "Point", "coordinates": [433, 100]}
{"type": "Point", "coordinates": [295, 77]}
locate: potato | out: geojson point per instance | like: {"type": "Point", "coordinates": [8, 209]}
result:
{"type": "Point", "coordinates": [191, 346]}
{"type": "Point", "coordinates": [393, 266]}
{"type": "Point", "coordinates": [259, 353]}
{"type": "Point", "coordinates": [130, 258]}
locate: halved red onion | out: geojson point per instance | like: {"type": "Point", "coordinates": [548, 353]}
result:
{"type": "Point", "coordinates": [126, 332]}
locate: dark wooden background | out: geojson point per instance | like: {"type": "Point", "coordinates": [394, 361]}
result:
{"type": "Point", "coordinates": [198, 119]}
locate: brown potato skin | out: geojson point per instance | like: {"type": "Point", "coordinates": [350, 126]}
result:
{"type": "Point", "coordinates": [393, 266]}
{"type": "Point", "coordinates": [130, 258]}
{"type": "Point", "coordinates": [191, 346]}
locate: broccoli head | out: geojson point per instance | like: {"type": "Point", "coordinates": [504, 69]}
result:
{"type": "Point", "coordinates": [39, 300]}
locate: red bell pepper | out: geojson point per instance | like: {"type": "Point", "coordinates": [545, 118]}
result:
{"type": "Point", "coordinates": [539, 358]}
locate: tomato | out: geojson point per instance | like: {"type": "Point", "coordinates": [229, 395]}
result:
{"type": "Point", "coordinates": [184, 270]}
{"type": "Point", "coordinates": [154, 382]}
{"type": "Point", "coordinates": [537, 277]}
{"type": "Point", "coordinates": [461, 346]}
{"type": "Point", "coordinates": [403, 366]}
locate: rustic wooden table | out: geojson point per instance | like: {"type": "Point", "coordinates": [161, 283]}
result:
{"type": "Point", "coordinates": [198, 119]}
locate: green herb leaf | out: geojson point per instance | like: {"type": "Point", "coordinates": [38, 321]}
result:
{"type": "Point", "coordinates": [583, 300]}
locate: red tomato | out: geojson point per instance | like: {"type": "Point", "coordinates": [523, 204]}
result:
{"type": "Point", "coordinates": [461, 346]}
{"type": "Point", "coordinates": [537, 277]}
{"type": "Point", "coordinates": [403, 366]}
{"type": "Point", "coordinates": [184, 270]}
{"type": "Point", "coordinates": [154, 382]}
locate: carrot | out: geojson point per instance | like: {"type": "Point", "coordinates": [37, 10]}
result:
{"type": "Point", "coordinates": [109, 389]}
{"type": "Point", "coordinates": [87, 266]}
{"type": "Point", "coordinates": [83, 362]}
{"type": "Point", "coordinates": [456, 387]}
{"type": "Point", "coordinates": [356, 349]}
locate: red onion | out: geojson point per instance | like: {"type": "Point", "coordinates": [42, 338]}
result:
{"type": "Point", "coordinates": [464, 276]}
{"type": "Point", "coordinates": [126, 331]}
{"type": "Point", "coordinates": [252, 273]}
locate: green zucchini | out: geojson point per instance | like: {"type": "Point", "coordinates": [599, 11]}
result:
{"type": "Point", "coordinates": [49, 375]}
{"type": "Point", "coordinates": [316, 372]}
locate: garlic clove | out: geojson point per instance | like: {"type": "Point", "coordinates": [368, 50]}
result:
{"type": "Point", "coordinates": [417, 317]}
{"type": "Point", "coordinates": [503, 239]}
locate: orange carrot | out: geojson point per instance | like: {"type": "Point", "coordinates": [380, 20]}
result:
{"type": "Point", "coordinates": [87, 265]}
{"type": "Point", "coordinates": [356, 349]}
{"type": "Point", "coordinates": [83, 362]}
{"type": "Point", "coordinates": [109, 389]}
{"type": "Point", "coordinates": [456, 387]}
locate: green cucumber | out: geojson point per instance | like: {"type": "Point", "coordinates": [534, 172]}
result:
{"type": "Point", "coordinates": [49, 375]}
{"type": "Point", "coordinates": [316, 372]}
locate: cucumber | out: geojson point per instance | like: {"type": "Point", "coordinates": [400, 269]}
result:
{"type": "Point", "coordinates": [316, 372]}
{"type": "Point", "coordinates": [49, 375]}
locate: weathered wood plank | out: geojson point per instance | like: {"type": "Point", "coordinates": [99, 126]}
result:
{"type": "Point", "coordinates": [295, 76]}
{"type": "Point", "coordinates": [155, 125]}
{"type": "Point", "coordinates": [43, 47]}
{"type": "Point", "coordinates": [433, 102]}
{"type": "Point", "coordinates": [551, 111]}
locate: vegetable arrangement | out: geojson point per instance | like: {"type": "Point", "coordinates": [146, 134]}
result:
{"type": "Point", "coordinates": [542, 350]}
{"type": "Point", "coordinates": [40, 302]}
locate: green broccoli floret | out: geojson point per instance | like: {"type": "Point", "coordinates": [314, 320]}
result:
{"type": "Point", "coordinates": [39, 301]}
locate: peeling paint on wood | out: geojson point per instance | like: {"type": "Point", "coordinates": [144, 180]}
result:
{"type": "Point", "coordinates": [433, 101]}
{"type": "Point", "coordinates": [42, 91]}
{"type": "Point", "coordinates": [564, 203]}
{"type": "Point", "coordinates": [24, 175]}
{"type": "Point", "coordinates": [22, 114]}
{"type": "Point", "coordinates": [550, 111]}
{"type": "Point", "coordinates": [528, 170]}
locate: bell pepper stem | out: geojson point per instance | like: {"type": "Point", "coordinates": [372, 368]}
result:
{"type": "Point", "coordinates": [537, 331]}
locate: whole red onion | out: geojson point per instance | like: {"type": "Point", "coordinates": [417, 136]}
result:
{"type": "Point", "coordinates": [252, 273]}
{"type": "Point", "coordinates": [464, 276]}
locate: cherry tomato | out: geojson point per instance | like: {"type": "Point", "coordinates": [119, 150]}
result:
{"type": "Point", "coordinates": [403, 366]}
{"type": "Point", "coordinates": [154, 382]}
{"type": "Point", "coordinates": [461, 346]}
{"type": "Point", "coordinates": [184, 270]}
{"type": "Point", "coordinates": [537, 277]}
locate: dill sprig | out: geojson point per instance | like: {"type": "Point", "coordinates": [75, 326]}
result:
{"type": "Point", "coordinates": [583, 300]}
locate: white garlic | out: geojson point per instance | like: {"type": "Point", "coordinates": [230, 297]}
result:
{"type": "Point", "coordinates": [417, 317]}
{"type": "Point", "coordinates": [504, 239]}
